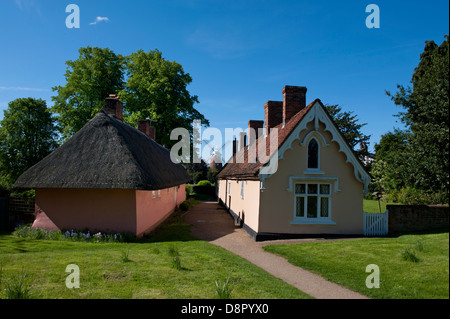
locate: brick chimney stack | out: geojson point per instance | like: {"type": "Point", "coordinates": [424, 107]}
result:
{"type": "Point", "coordinates": [235, 147]}
{"type": "Point", "coordinates": [114, 107]}
{"type": "Point", "coordinates": [152, 134]}
{"type": "Point", "coordinates": [294, 100]}
{"type": "Point", "coordinates": [273, 114]}
{"type": "Point", "coordinates": [144, 127]}
{"type": "Point", "coordinates": [242, 140]}
{"type": "Point", "coordinates": [254, 134]}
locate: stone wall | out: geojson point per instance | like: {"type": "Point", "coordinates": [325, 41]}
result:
{"type": "Point", "coordinates": [417, 218]}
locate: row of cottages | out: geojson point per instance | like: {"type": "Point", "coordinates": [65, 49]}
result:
{"type": "Point", "coordinates": [318, 185]}
{"type": "Point", "coordinates": [108, 177]}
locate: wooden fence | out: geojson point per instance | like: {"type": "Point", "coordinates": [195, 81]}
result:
{"type": "Point", "coordinates": [20, 211]}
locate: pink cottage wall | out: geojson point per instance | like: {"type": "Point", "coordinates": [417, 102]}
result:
{"type": "Point", "coordinates": [153, 207]}
{"type": "Point", "coordinates": [107, 210]}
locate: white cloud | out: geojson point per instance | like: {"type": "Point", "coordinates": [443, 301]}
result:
{"type": "Point", "coordinates": [99, 19]}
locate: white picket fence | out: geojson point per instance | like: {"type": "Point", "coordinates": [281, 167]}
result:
{"type": "Point", "coordinates": [376, 224]}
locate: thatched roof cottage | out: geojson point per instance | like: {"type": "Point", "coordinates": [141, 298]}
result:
{"type": "Point", "coordinates": [108, 177]}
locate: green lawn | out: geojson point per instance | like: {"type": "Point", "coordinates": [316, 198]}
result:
{"type": "Point", "coordinates": [344, 262]}
{"type": "Point", "coordinates": [371, 206]}
{"type": "Point", "coordinates": [149, 273]}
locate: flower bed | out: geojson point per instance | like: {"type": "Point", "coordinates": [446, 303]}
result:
{"type": "Point", "coordinates": [25, 231]}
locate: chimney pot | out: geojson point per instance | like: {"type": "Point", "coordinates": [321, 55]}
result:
{"type": "Point", "coordinates": [294, 100]}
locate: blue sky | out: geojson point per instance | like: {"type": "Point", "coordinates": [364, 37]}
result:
{"type": "Point", "coordinates": [239, 53]}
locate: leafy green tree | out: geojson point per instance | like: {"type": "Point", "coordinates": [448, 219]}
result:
{"type": "Point", "coordinates": [212, 173]}
{"type": "Point", "coordinates": [197, 171]}
{"type": "Point", "coordinates": [391, 168]}
{"type": "Point", "coordinates": [426, 114]}
{"type": "Point", "coordinates": [27, 135]}
{"type": "Point", "coordinates": [157, 89]}
{"type": "Point", "coordinates": [149, 85]}
{"type": "Point", "coordinates": [347, 122]}
{"type": "Point", "coordinates": [89, 80]}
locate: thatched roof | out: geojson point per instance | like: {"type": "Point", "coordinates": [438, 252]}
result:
{"type": "Point", "coordinates": [106, 153]}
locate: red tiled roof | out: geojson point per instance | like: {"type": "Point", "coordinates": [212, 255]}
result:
{"type": "Point", "coordinates": [238, 167]}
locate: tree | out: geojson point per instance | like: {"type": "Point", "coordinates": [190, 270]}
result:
{"type": "Point", "coordinates": [426, 114]}
{"type": "Point", "coordinates": [391, 167]}
{"type": "Point", "coordinates": [212, 173]}
{"type": "Point", "coordinates": [348, 125]}
{"type": "Point", "coordinates": [150, 87]}
{"type": "Point", "coordinates": [89, 80]}
{"type": "Point", "coordinates": [27, 135]}
{"type": "Point", "coordinates": [197, 171]}
{"type": "Point", "coordinates": [157, 89]}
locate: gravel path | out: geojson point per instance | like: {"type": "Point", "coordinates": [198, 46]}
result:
{"type": "Point", "coordinates": [211, 222]}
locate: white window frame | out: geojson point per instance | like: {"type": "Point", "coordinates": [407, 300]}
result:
{"type": "Point", "coordinates": [320, 143]}
{"type": "Point", "coordinates": [242, 190]}
{"type": "Point", "coordinates": [306, 195]}
{"type": "Point", "coordinates": [318, 154]}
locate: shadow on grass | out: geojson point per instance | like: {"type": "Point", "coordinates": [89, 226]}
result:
{"type": "Point", "coordinates": [173, 228]}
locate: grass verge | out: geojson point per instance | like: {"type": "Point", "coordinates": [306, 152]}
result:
{"type": "Point", "coordinates": [136, 270]}
{"type": "Point", "coordinates": [410, 266]}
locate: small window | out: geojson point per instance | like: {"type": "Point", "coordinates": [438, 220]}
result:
{"type": "Point", "coordinates": [159, 193]}
{"type": "Point", "coordinates": [153, 194]}
{"type": "Point", "coordinates": [313, 154]}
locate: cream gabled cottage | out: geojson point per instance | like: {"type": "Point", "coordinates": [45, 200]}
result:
{"type": "Point", "coordinates": [318, 186]}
